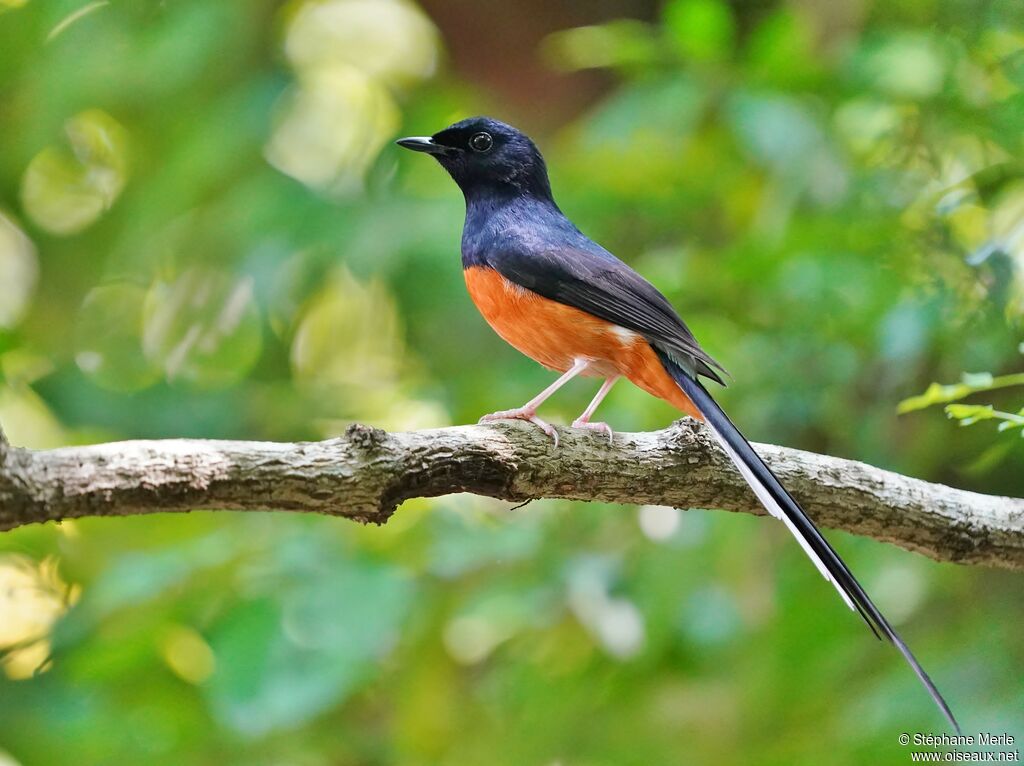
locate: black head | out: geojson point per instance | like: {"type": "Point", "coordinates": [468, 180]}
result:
{"type": "Point", "coordinates": [486, 156]}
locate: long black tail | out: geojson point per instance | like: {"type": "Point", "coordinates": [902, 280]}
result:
{"type": "Point", "coordinates": [781, 505]}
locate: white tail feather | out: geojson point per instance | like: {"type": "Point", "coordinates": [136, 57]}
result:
{"type": "Point", "coordinates": [772, 506]}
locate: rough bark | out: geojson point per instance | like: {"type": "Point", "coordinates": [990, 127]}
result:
{"type": "Point", "coordinates": [366, 474]}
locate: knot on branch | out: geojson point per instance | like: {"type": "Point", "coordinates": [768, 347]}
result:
{"type": "Point", "coordinates": [365, 438]}
{"type": "Point", "coordinates": [692, 438]}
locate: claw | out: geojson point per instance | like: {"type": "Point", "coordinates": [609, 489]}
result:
{"type": "Point", "coordinates": [523, 414]}
{"type": "Point", "coordinates": [603, 427]}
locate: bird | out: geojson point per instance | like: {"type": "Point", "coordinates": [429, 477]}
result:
{"type": "Point", "coordinates": [566, 302]}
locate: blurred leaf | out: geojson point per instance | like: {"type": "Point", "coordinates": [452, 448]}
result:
{"type": "Point", "coordinates": [188, 654]}
{"type": "Point", "coordinates": [782, 134]}
{"type": "Point", "coordinates": [19, 271]}
{"type": "Point", "coordinates": [65, 190]}
{"type": "Point", "coordinates": [493, 614]}
{"type": "Point", "coordinates": [642, 135]}
{"type": "Point", "coordinates": [994, 179]}
{"type": "Point", "coordinates": [27, 420]}
{"type": "Point", "coordinates": [904, 65]}
{"type": "Point", "coordinates": [74, 17]}
{"type": "Point", "coordinates": [281, 663]}
{"type": "Point", "coordinates": [348, 353]}
{"type": "Point", "coordinates": [32, 597]}
{"type": "Point", "coordinates": [108, 338]}
{"type": "Point", "coordinates": [464, 543]}
{"type": "Point", "coordinates": [650, 120]}
{"type": "Point", "coordinates": [133, 581]}
{"type": "Point", "coordinates": [702, 30]}
{"type": "Point", "coordinates": [331, 127]}
{"type": "Point", "coordinates": [624, 43]}
{"type": "Point", "coordinates": [781, 48]}
{"type": "Point", "coordinates": [387, 39]}
{"type": "Point", "coordinates": [203, 328]}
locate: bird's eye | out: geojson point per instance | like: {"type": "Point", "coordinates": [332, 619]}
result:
{"type": "Point", "coordinates": [481, 142]}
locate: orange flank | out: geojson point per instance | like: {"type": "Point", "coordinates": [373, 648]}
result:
{"type": "Point", "coordinates": [556, 335]}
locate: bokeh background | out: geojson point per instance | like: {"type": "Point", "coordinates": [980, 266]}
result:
{"type": "Point", "coordinates": [205, 231]}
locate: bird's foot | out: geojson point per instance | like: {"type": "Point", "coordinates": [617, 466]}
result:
{"type": "Point", "coordinates": [602, 427]}
{"type": "Point", "coordinates": [523, 414]}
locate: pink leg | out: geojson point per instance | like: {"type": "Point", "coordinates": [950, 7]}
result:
{"type": "Point", "coordinates": [529, 410]}
{"type": "Point", "coordinates": [583, 421]}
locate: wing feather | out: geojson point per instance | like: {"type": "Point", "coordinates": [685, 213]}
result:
{"type": "Point", "coordinates": [597, 282]}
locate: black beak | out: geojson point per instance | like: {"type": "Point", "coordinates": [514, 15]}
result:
{"type": "Point", "coordinates": [423, 144]}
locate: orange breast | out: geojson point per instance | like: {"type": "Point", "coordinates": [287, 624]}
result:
{"type": "Point", "coordinates": [556, 335]}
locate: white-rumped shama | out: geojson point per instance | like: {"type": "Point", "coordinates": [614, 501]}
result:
{"type": "Point", "coordinates": [568, 303]}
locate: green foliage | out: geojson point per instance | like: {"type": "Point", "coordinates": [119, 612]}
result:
{"type": "Point", "coordinates": [702, 30]}
{"type": "Point", "coordinates": [204, 232]}
{"type": "Point", "coordinates": [340, 617]}
{"type": "Point", "coordinates": [971, 384]}
{"type": "Point", "coordinates": [969, 414]}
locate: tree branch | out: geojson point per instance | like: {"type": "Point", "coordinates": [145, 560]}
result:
{"type": "Point", "coordinates": [367, 473]}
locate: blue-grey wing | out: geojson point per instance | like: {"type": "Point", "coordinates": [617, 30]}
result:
{"type": "Point", "coordinates": [592, 280]}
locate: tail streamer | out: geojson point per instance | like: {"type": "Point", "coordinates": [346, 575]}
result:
{"type": "Point", "coordinates": [780, 504]}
